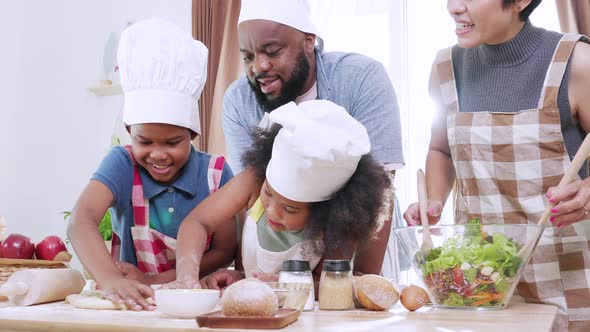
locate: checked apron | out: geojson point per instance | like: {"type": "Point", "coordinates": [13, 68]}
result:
{"type": "Point", "coordinates": [155, 251]}
{"type": "Point", "coordinates": [504, 164]}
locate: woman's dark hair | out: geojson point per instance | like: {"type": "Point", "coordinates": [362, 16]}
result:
{"type": "Point", "coordinates": [351, 216]}
{"type": "Point", "coordinates": [525, 13]}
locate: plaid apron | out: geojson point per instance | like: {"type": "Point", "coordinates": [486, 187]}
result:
{"type": "Point", "coordinates": [155, 251]}
{"type": "Point", "coordinates": [504, 163]}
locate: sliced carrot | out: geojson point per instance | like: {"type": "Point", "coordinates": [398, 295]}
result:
{"type": "Point", "coordinates": [481, 282]}
{"type": "Point", "coordinates": [481, 295]}
{"type": "Point", "coordinates": [487, 300]}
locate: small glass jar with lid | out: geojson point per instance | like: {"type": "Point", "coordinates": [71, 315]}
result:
{"type": "Point", "coordinates": [335, 291]}
{"type": "Point", "coordinates": [300, 272]}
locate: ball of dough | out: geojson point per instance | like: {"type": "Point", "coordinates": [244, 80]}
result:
{"type": "Point", "coordinates": [376, 293]}
{"type": "Point", "coordinates": [249, 297]}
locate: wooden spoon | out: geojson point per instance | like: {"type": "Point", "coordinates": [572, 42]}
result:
{"type": "Point", "coordinates": [568, 177]}
{"type": "Point", "coordinates": [422, 202]}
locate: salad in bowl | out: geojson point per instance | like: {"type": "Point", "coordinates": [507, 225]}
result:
{"type": "Point", "coordinates": [469, 266]}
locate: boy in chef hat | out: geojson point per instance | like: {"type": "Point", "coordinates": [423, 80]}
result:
{"type": "Point", "coordinates": [151, 185]}
{"type": "Point", "coordinates": [312, 191]}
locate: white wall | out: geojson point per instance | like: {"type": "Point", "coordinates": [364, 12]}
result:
{"type": "Point", "coordinates": [53, 132]}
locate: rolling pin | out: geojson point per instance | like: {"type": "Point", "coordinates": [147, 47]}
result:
{"type": "Point", "coordinates": [34, 286]}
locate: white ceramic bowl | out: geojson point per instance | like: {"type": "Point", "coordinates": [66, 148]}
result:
{"type": "Point", "coordinates": [186, 303]}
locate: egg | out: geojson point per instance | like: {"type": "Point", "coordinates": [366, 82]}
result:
{"type": "Point", "coordinates": [413, 297]}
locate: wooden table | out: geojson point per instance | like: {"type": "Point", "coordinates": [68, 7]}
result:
{"type": "Point", "coordinates": [62, 317]}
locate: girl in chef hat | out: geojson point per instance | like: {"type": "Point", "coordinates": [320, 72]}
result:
{"type": "Point", "coordinates": [155, 182]}
{"type": "Point", "coordinates": [311, 190]}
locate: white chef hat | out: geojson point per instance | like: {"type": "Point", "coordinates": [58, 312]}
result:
{"type": "Point", "coordinates": [163, 71]}
{"type": "Point", "coordinates": [317, 150]}
{"type": "Point", "coordinates": [294, 13]}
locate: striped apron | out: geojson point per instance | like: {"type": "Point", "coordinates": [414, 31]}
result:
{"type": "Point", "coordinates": [155, 251]}
{"type": "Point", "coordinates": [504, 164]}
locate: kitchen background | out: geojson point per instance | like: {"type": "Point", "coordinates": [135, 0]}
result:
{"type": "Point", "coordinates": [54, 131]}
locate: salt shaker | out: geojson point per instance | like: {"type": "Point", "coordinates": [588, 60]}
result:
{"type": "Point", "coordinates": [336, 292]}
{"type": "Point", "coordinates": [299, 271]}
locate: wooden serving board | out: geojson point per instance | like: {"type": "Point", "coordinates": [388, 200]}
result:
{"type": "Point", "coordinates": [216, 319]}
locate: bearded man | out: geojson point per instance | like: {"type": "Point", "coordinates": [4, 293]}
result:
{"type": "Point", "coordinates": [282, 63]}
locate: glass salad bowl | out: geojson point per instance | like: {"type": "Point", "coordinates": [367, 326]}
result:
{"type": "Point", "coordinates": [470, 266]}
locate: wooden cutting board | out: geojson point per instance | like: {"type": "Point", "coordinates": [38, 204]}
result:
{"type": "Point", "coordinates": [217, 319]}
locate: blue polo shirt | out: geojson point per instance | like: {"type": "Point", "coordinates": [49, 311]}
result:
{"type": "Point", "coordinates": [358, 83]}
{"type": "Point", "coordinates": [169, 204]}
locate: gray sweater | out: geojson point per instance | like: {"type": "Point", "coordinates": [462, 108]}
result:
{"type": "Point", "coordinates": [509, 77]}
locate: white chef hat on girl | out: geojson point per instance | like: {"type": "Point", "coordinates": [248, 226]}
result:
{"type": "Point", "coordinates": [294, 13]}
{"type": "Point", "coordinates": [163, 71]}
{"type": "Point", "coordinates": [317, 150]}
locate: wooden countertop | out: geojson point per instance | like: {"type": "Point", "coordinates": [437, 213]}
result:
{"type": "Point", "coordinates": [59, 316]}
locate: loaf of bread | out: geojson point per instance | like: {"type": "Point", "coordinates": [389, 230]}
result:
{"type": "Point", "coordinates": [376, 293]}
{"type": "Point", "coordinates": [249, 297]}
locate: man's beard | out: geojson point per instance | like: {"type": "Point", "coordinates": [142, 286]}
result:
{"type": "Point", "coordinates": [291, 89]}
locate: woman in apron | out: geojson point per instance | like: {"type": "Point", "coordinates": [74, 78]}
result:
{"type": "Point", "coordinates": [513, 110]}
{"type": "Point", "coordinates": [311, 190]}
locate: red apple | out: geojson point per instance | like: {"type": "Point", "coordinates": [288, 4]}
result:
{"type": "Point", "coordinates": [18, 246]}
{"type": "Point", "coordinates": [50, 247]}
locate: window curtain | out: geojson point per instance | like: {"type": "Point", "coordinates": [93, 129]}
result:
{"type": "Point", "coordinates": [574, 16]}
{"type": "Point", "coordinates": [214, 23]}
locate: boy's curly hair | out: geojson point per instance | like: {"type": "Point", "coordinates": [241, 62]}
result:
{"type": "Point", "coordinates": [351, 216]}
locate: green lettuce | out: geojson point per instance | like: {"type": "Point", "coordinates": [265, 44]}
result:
{"type": "Point", "coordinates": [454, 300]}
{"type": "Point", "coordinates": [499, 254]}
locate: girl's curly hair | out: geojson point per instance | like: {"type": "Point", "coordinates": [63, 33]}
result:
{"type": "Point", "coordinates": [351, 216]}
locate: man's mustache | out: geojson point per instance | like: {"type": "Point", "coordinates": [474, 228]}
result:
{"type": "Point", "coordinates": [262, 76]}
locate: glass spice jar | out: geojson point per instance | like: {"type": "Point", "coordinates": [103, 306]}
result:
{"type": "Point", "coordinates": [335, 291]}
{"type": "Point", "coordinates": [299, 271]}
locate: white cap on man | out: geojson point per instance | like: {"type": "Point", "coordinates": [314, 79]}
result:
{"type": "Point", "coordinates": [293, 13]}
{"type": "Point", "coordinates": [317, 150]}
{"type": "Point", "coordinates": [163, 72]}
